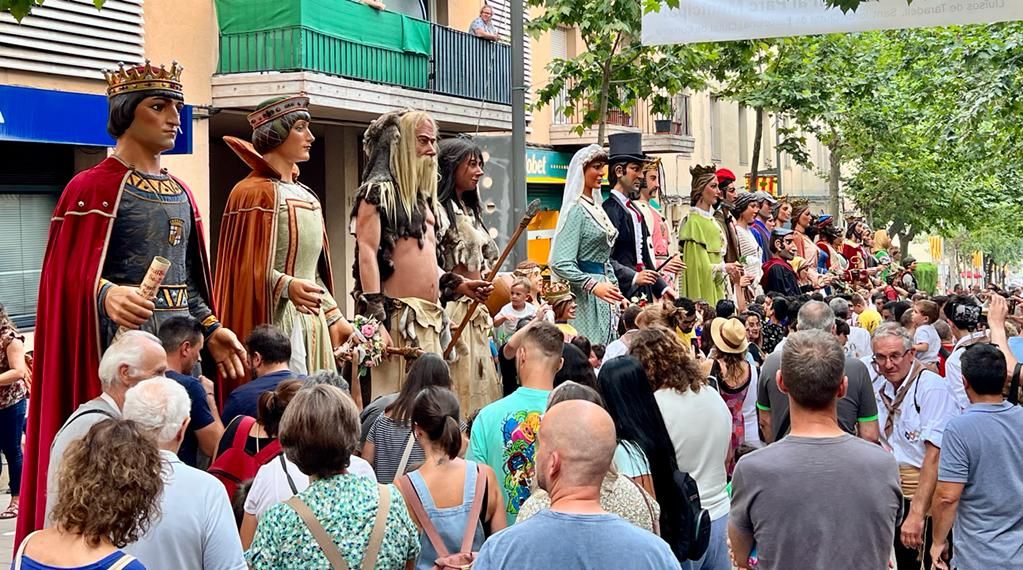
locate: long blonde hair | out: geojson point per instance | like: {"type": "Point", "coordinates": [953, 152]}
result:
{"type": "Point", "coordinates": [416, 176]}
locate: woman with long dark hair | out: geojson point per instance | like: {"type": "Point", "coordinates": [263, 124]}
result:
{"type": "Point", "coordinates": [576, 367]}
{"type": "Point", "coordinates": [391, 433]}
{"type": "Point", "coordinates": [645, 450]}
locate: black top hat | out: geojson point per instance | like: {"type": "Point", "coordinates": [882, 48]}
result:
{"type": "Point", "coordinates": [626, 147]}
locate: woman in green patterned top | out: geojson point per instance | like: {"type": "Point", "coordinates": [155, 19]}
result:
{"type": "Point", "coordinates": [581, 251]}
{"type": "Point", "coordinates": [319, 431]}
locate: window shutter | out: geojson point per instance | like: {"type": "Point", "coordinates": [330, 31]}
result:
{"type": "Point", "coordinates": [73, 38]}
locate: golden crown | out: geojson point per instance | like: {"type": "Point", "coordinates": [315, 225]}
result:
{"type": "Point", "coordinates": [143, 78]}
{"type": "Point", "coordinates": [556, 291]}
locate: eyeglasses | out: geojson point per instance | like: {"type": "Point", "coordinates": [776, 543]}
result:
{"type": "Point", "coordinates": [896, 359]}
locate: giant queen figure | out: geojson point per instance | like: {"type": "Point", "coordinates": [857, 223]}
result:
{"type": "Point", "coordinates": [273, 261]}
{"type": "Point", "coordinates": [112, 220]}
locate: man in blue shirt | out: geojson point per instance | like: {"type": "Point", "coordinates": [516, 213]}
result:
{"type": "Point", "coordinates": [269, 353]}
{"type": "Point", "coordinates": [576, 446]}
{"type": "Point", "coordinates": [980, 476]}
{"type": "Point", "coordinates": [182, 339]}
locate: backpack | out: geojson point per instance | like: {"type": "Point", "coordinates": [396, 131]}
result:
{"type": "Point", "coordinates": [235, 465]}
{"type": "Point", "coordinates": [464, 559]}
{"type": "Point", "coordinates": [695, 520]}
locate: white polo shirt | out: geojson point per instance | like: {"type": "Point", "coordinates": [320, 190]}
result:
{"type": "Point", "coordinates": [922, 416]}
{"type": "Point", "coordinates": [954, 368]}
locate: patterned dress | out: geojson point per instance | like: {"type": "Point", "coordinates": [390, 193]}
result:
{"type": "Point", "coordinates": [581, 256]}
{"type": "Point", "coordinates": [346, 506]}
{"type": "Point", "coordinates": [17, 391]}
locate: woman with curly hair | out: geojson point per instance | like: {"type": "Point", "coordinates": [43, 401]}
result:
{"type": "Point", "coordinates": [700, 427]}
{"type": "Point", "coordinates": [110, 487]}
{"type": "Point", "coordinates": [15, 379]}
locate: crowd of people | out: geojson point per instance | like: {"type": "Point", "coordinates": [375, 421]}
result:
{"type": "Point", "coordinates": [767, 390]}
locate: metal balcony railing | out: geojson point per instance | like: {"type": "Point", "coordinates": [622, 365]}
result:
{"type": "Point", "coordinates": [459, 65]}
{"type": "Point", "coordinates": [470, 67]}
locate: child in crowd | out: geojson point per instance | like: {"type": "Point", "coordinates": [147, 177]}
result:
{"type": "Point", "coordinates": [926, 341]}
{"type": "Point", "coordinates": [518, 308]}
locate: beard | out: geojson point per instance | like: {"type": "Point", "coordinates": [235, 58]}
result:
{"type": "Point", "coordinates": [426, 175]}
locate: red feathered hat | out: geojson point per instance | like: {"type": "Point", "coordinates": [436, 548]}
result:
{"type": "Point", "coordinates": [725, 175]}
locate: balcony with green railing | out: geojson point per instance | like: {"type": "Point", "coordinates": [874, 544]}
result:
{"type": "Point", "coordinates": [348, 39]}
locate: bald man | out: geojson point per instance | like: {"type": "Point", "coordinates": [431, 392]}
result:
{"type": "Point", "coordinates": [576, 444]}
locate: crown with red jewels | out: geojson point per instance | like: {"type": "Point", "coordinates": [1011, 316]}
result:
{"type": "Point", "coordinates": [143, 78]}
{"type": "Point", "coordinates": [276, 108]}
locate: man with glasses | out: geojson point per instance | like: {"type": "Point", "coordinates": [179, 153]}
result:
{"type": "Point", "coordinates": [914, 405]}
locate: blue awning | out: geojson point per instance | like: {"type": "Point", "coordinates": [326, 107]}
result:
{"type": "Point", "coordinates": [44, 116]}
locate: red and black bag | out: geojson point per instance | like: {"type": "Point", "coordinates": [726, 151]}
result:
{"type": "Point", "coordinates": [236, 465]}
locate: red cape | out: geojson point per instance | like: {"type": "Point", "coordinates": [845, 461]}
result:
{"type": "Point", "coordinates": [67, 336]}
{"type": "Point", "coordinates": [245, 252]}
{"type": "Point", "coordinates": [771, 263]}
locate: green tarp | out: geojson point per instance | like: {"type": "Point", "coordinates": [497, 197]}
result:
{"type": "Point", "coordinates": [345, 19]}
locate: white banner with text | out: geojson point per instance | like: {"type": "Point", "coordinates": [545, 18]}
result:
{"type": "Point", "coordinates": [697, 21]}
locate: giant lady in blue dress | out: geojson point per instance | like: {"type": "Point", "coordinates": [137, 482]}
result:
{"type": "Point", "coordinates": [581, 249]}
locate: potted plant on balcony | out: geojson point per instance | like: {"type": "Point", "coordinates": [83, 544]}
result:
{"type": "Point", "coordinates": [662, 126]}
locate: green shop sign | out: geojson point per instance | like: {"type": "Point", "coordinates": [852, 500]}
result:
{"type": "Point", "coordinates": [546, 166]}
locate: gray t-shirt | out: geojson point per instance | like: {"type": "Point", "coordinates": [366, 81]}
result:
{"type": "Point", "coordinates": [562, 540]}
{"type": "Point", "coordinates": [818, 503]}
{"type": "Point", "coordinates": [77, 425]}
{"type": "Point", "coordinates": [858, 404]}
{"type": "Point", "coordinates": [981, 449]}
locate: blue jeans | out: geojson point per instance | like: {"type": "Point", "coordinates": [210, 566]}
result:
{"type": "Point", "coordinates": [12, 426]}
{"type": "Point", "coordinates": [716, 557]}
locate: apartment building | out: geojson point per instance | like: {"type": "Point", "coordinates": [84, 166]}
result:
{"type": "Point", "coordinates": [354, 62]}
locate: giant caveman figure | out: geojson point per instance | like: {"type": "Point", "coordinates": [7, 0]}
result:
{"type": "Point", "coordinates": [397, 278]}
{"type": "Point", "coordinates": [467, 249]}
{"type": "Point", "coordinates": [110, 222]}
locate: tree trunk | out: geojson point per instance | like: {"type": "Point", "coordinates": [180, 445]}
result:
{"type": "Point", "coordinates": [904, 239]}
{"type": "Point", "coordinates": [834, 179]}
{"type": "Point", "coordinates": [758, 138]}
{"type": "Point", "coordinates": [605, 86]}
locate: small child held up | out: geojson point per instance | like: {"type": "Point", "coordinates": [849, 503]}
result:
{"type": "Point", "coordinates": [926, 341]}
{"type": "Point", "coordinates": [518, 308]}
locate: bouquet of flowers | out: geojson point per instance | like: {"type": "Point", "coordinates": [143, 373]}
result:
{"type": "Point", "coordinates": [365, 347]}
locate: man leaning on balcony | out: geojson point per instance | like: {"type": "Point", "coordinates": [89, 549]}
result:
{"type": "Point", "coordinates": [483, 26]}
{"type": "Point", "coordinates": [398, 280]}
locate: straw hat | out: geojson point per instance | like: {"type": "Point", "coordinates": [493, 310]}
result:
{"type": "Point", "coordinates": [729, 335]}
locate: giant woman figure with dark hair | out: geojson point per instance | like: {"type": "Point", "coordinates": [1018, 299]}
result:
{"type": "Point", "coordinates": [110, 222]}
{"type": "Point", "coordinates": [466, 248]}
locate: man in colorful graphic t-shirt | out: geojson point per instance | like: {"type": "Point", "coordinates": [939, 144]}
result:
{"type": "Point", "coordinates": [504, 433]}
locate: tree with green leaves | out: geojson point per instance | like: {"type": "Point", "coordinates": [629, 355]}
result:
{"type": "Point", "coordinates": [616, 70]}
{"type": "Point", "coordinates": [21, 8]}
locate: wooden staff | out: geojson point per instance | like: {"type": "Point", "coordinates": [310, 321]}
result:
{"type": "Point", "coordinates": [531, 212]}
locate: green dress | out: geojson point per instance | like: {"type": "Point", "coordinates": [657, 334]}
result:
{"type": "Point", "coordinates": [702, 250]}
{"type": "Point", "coordinates": [581, 256]}
{"type": "Point", "coordinates": [297, 255]}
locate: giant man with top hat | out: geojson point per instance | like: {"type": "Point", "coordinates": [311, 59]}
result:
{"type": "Point", "coordinates": [631, 258]}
